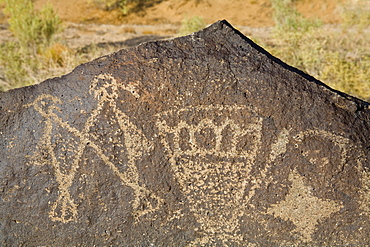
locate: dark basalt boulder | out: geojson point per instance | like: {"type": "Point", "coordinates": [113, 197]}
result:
{"type": "Point", "coordinates": [203, 140]}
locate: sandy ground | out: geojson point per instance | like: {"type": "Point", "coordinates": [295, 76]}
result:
{"type": "Point", "coordinates": [254, 13]}
{"type": "Point", "coordinates": [85, 23]}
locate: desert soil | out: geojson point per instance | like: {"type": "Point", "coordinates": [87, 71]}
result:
{"type": "Point", "coordinates": [255, 13]}
{"type": "Point", "coordinates": [86, 23]}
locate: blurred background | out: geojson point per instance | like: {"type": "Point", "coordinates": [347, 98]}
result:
{"type": "Point", "coordinates": [328, 39]}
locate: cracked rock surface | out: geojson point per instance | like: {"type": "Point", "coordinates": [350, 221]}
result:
{"type": "Point", "coordinates": [202, 140]}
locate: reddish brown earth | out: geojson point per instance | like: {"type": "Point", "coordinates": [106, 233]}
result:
{"type": "Point", "coordinates": [238, 12]}
{"type": "Point", "coordinates": [86, 23]}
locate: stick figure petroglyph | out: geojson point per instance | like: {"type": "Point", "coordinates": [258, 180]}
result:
{"type": "Point", "coordinates": [105, 90]}
{"type": "Point", "coordinates": [212, 154]}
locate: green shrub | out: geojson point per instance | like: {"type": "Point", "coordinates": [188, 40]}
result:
{"type": "Point", "coordinates": [357, 14]}
{"type": "Point", "coordinates": [191, 25]}
{"type": "Point", "coordinates": [22, 59]}
{"type": "Point", "coordinates": [338, 57]}
{"type": "Point", "coordinates": [125, 6]}
{"type": "Point", "coordinates": [347, 75]}
{"type": "Point", "coordinates": [106, 4]}
{"type": "Point", "coordinates": [32, 29]}
{"type": "Point", "coordinates": [287, 18]}
{"type": "Point", "coordinates": [12, 61]}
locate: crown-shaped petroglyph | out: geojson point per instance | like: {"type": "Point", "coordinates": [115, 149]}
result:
{"type": "Point", "coordinates": [215, 190]}
{"type": "Point", "coordinates": [228, 138]}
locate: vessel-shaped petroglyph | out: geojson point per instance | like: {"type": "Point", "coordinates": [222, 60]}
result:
{"type": "Point", "coordinates": [211, 155]}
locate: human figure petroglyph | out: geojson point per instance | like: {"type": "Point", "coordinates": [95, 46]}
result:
{"type": "Point", "coordinates": [234, 143]}
{"type": "Point", "coordinates": [105, 90]}
{"type": "Point", "coordinates": [63, 209]}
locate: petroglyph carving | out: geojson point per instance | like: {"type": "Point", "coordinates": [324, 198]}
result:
{"type": "Point", "coordinates": [365, 192]}
{"type": "Point", "coordinates": [227, 134]}
{"type": "Point", "coordinates": [277, 148]}
{"type": "Point", "coordinates": [345, 146]}
{"type": "Point", "coordinates": [74, 142]}
{"type": "Point", "coordinates": [215, 190]}
{"type": "Point", "coordinates": [211, 153]}
{"type": "Point", "coordinates": [302, 208]}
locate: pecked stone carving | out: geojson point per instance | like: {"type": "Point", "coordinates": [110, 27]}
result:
{"type": "Point", "coordinates": [202, 140]}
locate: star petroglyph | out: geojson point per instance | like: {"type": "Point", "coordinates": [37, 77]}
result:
{"type": "Point", "coordinates": [302, 208]}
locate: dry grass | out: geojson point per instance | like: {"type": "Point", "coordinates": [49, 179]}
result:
{"type": "Point", "coordinates": [337, 55]}
{"type": "Point", "coordinates": [191, 25]}
{"type": "Point", "coordinates": [35, 55]}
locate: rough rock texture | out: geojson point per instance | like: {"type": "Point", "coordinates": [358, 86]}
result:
{"type": "Point", "coordinates": [203, 140]}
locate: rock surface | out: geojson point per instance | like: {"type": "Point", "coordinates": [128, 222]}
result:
{"type": "Point", "coordinates": [203, 140]}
